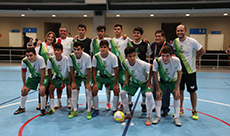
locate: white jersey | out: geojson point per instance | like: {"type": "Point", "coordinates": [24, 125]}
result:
{"type": "Point", "coordinates": [109, 62]}
{"type": "Point", "coordinates": [62, 66]}
{"type": "Point", "coordinates": [105, 38]}
{"type": "Point", "coordinates": [67, 45]}
{"type": "Point", "coordinates": [139, 69]}
{"type": "Point", "coordinates": [83, 63]}
{"type": "Point", "coordinates": [49, 49]}
{"type": "Point", "coordinates": [189, 47]}
{"type": "Point", "coordinates": [38, 64]}
{"type": "Point", "coordinates": [171, 68]}
{"type": "Point", "coordinates": [122, 44]}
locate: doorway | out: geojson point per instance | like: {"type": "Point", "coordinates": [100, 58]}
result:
{"type": "Point", "coordinates": [52, 27]}
{"type": "Point", "coordinates": [170, 30]}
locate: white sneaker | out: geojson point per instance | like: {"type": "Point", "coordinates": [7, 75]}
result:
{"type": "Point", "coordinates": [156, 120]}
{"type": "Point", "coordinates": [68, 103]}
{"type": "Point", "coordinates": [58, 104]}
{"type": "Point", "coordinates": [177, 122]}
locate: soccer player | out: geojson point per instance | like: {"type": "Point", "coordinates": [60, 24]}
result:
{"type": "Point", "coordinates": [167, 66]}
{"type": "Point", "coordinates": [59, 64]}
{"type": "Point", "coordinates": [136, 72]}
{"type": "Point", "coordinates": [80, 65]}
{"type": "Point", "coordinates": [106, 62]}
{"type": "Point", "coordinates": [36, 65]}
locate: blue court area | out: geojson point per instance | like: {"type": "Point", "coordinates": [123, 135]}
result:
{"type": "Point", "coordinates": [213, 110]}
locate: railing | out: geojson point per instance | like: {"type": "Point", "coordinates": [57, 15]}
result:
{"type": "Point", "coordinates": [11, 55]}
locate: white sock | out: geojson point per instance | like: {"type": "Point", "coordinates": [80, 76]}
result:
{"type": "Point", "coordinates": [143, 100]}
{"type": "Point", "coordinates": [43, 102]}
{"type": "Point", "coordinates": [108, 93]}
{"type": "Point", "coordinates": [88, 99]}
{"type": "Point", "coordinates": [149, 97]}
{"type": "Point", "coordinates": [176, 105]}
{"type": "Point", "coordinates": [130, 99]}
{"type": "Point", "coordinates": [77, 96]}
{"type": "Point", "coordinates": [59, 100]}
{"type": "Point", "coordinates": [124, 101]}
{"type": "Point", "coordinates": [158, 108]}
{"type": "Point", "coordinates": [74, 99]}
{"type": "Point", "coordinates": [52, 103]}
{"type": "Point", "coordinates": [23, 101]}
{"type": "Point", "coordinates": [115, 102]}
{"type": "Point", "coordinates": [95, 102]}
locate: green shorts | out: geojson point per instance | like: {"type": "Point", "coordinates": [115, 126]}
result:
{"type": "Point", "coordinates": [122, 76]}
{"type": "Point", "coordinates": [133, 87]}
{"type": "Point", "coordinates": [105, 80]}
{"type": "Point", "coordinates": [80, 79]}
{"type": "Point", "coordinates": [58, 82]}
{"type": "Point", "coordinates": [33, 82]}
{"type": "Point", "coordinates": [171, 86]}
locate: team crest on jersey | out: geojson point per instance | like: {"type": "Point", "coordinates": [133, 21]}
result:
{"type": "Point", "coordinates": [133, 72]}
{"type": "Point", "coordinates": [59, 67]}
{"type": "Point", "coordinates": [166, 70]}
{"type": "Point", "coordinates": [181, 47]}
{"type": "Point", "coordinates": [104, 63]}
{"type": "Point", "coordinates": [67, 44]}
{"type": "Point", "coordinates": [78, 64]}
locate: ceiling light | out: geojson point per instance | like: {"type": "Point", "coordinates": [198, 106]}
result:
{"type": "Point", "coordinates": [187, 15]}
{"type": "Point", "coordinates": [53, 15]}
{"type": "Point", "coordinates": [151, 15]}
{"type": "Point", "coordinates": [84, 15]}
{"type": "Point", "coordinates": [225, 14]}
{"type": "Point", "coordinates": [23, 15]}
{"type": "Point", "coordinates": [117, 15]}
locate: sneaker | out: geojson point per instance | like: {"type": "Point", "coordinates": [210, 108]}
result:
{"type": "Point", "coordinates": [177, 122]}
{"type": "Point", "coordinates": [114, 112]}
{"type": "Point", "coordinates": [164, 114]}
{"type": "Point", "coordinates": [51, 111]}
{"type": "Point", "coordinates": [68, 103]}
{"type": "Point", "coordinates": [128, 116]}
{"type": "Point", "coordinates": [154, 109]}
{"type": "Point", "coordinates": [43, 112]}
{"type": "Point", "coordinates": [194, 115]}
{"type": "Point", "coordinates": [89, 115]}
{"type": "Point", "coordinates": [143, 107]}
{"type": "Point", "coordinates": [130, 106]}
{"type": "Point", "coordinates": [93, 106]}
{"type": "Point", "coordinates": [156, 120]}
{"type": "Point", "coordinates": [58, 104]}
{"type": "Point", "coordinates": [121, 108]}
{"type": "Point", "coordinates": [148, 121]}
{"type": "Point", "coordinates": [72, 114]}
{"type": "Point", "coordinates": [108, 106]}
{"type": "Point", "coordinates": [95, 113]}
{"type": "Point", "coordinates": [181, 113]}
{"type": "Point", "coordinates": [86, 106]}
{"type": "Point", "coordinates": [19, 110]}
{"type": "Point", "coordinates": [39, 106]}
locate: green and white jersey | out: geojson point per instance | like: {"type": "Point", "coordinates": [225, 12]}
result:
{"type": "Point", "coordinates": [122, 44]}
{"type": "Point", "coordinates": [98, 41]}
{"type": "Point", "coordinates": [83, 63]}
{"type": "Point", "coordinates": [49, 49]}
{"type": "Point", "coordinates": [37, 65]}
{"type": "Point", "coordinates": [67, 45]}
{"type": "Point", "coordinates": [189, 47]}
{"type": "Point", "coordinates": [139, 69]}
{"type": "Point", "coordinates": [109, 62]}
{"type": "Point", "coordinates": [170, 69]}
{"type": "Point", "coordinates": [62, 66]}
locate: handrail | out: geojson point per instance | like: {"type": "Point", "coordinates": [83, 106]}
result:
{"type": "Point", "coordinates": [10, 53]}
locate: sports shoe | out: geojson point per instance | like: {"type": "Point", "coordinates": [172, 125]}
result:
{"type": "Point", "coordinates": [95, 113]}
{"type": "Point", "coordinates": [143, 107]}
{"type": "Point", "coordinates": [58, 104]}
{"type": "Point", "coordinates": [130, 106]}
{"type": "Point", "coordinates": [148, 121]}
{"type": "Point", "coordinates": [72, 114]}
{"type": "Point", "coordinates": [154, 109]}
{"type": "Point", "coordinates": [108, 106]}
{"type": "Point", "coordinates": [51, 111]}
{"type": "Point", "coordinates": [181, 113]}
{"type": "Point", "coordinates": [121, 108]}
{"type": "Point", "coordinates": [89, 115]}
{"type": "Point", "coordinates": [177, 122]}
{"type": "Point", "coordinates": [68, 103]}
{"type": "Point", "coordinates": [156, 120]}
{"type": "Point", "coordinates": [128, 116]}
{"type": "Point", "coordinates": [93, 106]}
{"type": "Point", "coordinates": [194, 115]}
{"type": "Point", "coordinates": [114, 112]}
{"type": "Point", "coordinates": [164, 114]}
{"type": "Point", "coordinates": [19, 110]}
{"type": "Point", "coordinates": [43, 112]}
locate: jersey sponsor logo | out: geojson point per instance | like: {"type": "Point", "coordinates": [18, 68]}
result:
{"type": "Point", "coordinates": [104, 63]}
{"type": "Point", "coordinates": [192, 87]}
{"type": "Point", "coordinates": [133, 72]}
{"type": "Point", "coordinates": [67, 44]}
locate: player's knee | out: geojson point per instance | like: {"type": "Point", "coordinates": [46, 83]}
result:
{"type": "Point", "coordinates": [123, 93]}
{"type": "Point", "coordinates": [116, 93]}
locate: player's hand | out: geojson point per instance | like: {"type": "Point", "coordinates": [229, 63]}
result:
{"type": "Point", "coordinates": [145, 40]}
{"type": "Point", "coordinates": [42, 89]}
{"type": "Point", "coordinates": [51, 86]}
{"type": "Point", "coordinates": [126, 83]}
{"type": "Point", "coordinates": [38, 43]}
{"type": "Point", "coordinates": [76, 37]}
{"type": "Point", "coordinates": [176, 92]}
{"type": "Point", "coordinates": [24, 90]}
{"type": "Point", "coordinates": [124, 36]}
{"type": "Point", "coordinates": [149, 85]}
{"type": "Point", "coordinates": [96, 37]}
{"type": "Point", "coordinates": [88, 86]}
{"type": "Point", "coordinates": [116, 89]}
{"type": "Point", "coordinates": [158, 94]}
{"type": "Point", "coordinates": [74, 86]}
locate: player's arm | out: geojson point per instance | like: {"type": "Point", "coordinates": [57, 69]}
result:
{"type": "Point", "coordinates": [127, 79]}
{"type": "Point", "coordinates": [74, 85]}
{"type": "Point", "coordinates": [176, 90]}
{"type": "Point", "coordinates": [24, 77]}
{"type": "Point", "coordinates": [158, 90]}
{"type": "Point", "coordinates": [42, 76]}
{"type": "Point", "coordinates": [200, 53]}
{"type": "Point", "coordinates": [116, 86]}
{"type": "Point", "coordinates": [150, 77]}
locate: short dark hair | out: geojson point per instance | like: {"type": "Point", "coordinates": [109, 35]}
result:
{"type": "Point", "coordinates": [31, 50]}
{"type": "Point", "coordinates": [118, 25]}
{"type": "Point", "coordinates": [104, 42]}
{"type": "Point", "coordinates": [78, 43]}
{"type": "Point", "coordinates": [58, 46]}
{"type": "Point", "coordinates": [82, 25]}
{"type": "Point", "coordinates": [160, 31]}
{"type": "Point", "coordinates": [129, 50]}
{"type": "Point", "coordinates": [167, 49]}
{"type": "Point", "coordinates": [63, 27]}
{"type": "Point", "coordinates": [138, 29]}
{"type": "Point", "coordinates": [100, 27]}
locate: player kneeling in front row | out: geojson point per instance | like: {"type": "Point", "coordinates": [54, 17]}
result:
{"type": "Point", "coordinates": [80, 65]}
{"type": "Point", "coordinates": [59, 64]}
{"type": "Point", "coordinates": [167, 66]}
{"type": "Point", "coordinates": [36, 65]}
{"type": "Point", "coordinates": [136, 76]}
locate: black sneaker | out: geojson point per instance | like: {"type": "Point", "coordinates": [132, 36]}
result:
{"type": "Point", "coordinates": [154, 109]}
{"type": "Point", "coordinates": [164, 114]}
{"type": "Point", "coordinates": [143, 108]}
{"type": "Point", "coordinates": [43, 112]}
{"type": "Point", "coordinates": [130, 106]}
{"type": "Point", "coordinates": [121, 108]}
{"type": "Point", "coordinates": [19, 110]}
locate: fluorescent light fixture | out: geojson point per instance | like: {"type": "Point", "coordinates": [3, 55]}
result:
{"type": "Point", "coordinates": [187, 15]}
{"type": "Point", "coordinates": [53, 15]}
{"type": "Point", "coordinates": [23, 15]}
{"type": "Point", "coordinates": [225, 14]}
{"type": "Point", "coordinates": [151, 15]}
{"type": "Point", "coordinates": [117, 15]}
{"type": "Point", "coordinates": [84, 15]}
